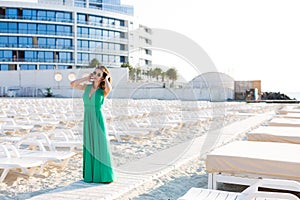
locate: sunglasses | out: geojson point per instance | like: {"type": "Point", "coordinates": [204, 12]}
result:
{"type": "Point", "coordinates": [95, 73]}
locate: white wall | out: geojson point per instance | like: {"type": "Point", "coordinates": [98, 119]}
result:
{"type": "Point", "coordinates": [45, 78]}
{"type": "Point", "coordinates": [121, 87]}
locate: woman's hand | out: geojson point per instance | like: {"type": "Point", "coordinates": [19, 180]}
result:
{"type": "Point", "coordinates": [89, 77]}
{"type": "Point", "coordinates": [107, 77]}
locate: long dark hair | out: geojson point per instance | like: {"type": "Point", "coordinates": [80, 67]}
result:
{"type": "Point", "coordinates": [105, 73]}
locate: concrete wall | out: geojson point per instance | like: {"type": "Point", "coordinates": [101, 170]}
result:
{"type": "Point", "coordinates": [42, 79]}
{"type": "Point", "coordinates": [27, 81]}
{"type": "Point", "coordinates": [212, 94]}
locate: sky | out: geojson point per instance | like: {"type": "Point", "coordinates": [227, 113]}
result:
{"type": "Point", "coordinates": [248, 40]}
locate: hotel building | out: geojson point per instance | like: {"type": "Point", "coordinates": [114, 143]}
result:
{"type": "Point", "coordinates": [65, 34]}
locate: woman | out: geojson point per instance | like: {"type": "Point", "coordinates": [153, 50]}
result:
{"type": "Point", "coordinates": [97, 166]}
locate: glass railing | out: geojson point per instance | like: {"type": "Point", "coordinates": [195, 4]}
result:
{"type": "Point", "coordinates": [36, 32]}
{"type": "Point", "coordinates": [107, 64]}
{"type": "Point", "coordinates": [105, 25]}
{"type": "Point", "coordinates": [36, 46]}
{"type": "Point", "coordinates": [96, 50]}
{"type": "Point", "coordinates": [91, 36]}
{"type": "Point", "coordinates": [36, 60]}
{"type": "Point", "coordinates": [37, 18]}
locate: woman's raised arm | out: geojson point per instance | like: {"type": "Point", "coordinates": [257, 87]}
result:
{"type": "Point", "coordinates": [76, 83]}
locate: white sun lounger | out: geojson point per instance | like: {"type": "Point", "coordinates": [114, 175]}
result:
{"type": "Point", "coordinates": [57, 158]}
{"type": "Point", "coordinates": [251, 193]}
{"type": "Point", "coordinates": [285, 122]}
{"type": "Point", "coordinates": [29, 166]}
{"type": "Point", "coordinates": [243, 162]}
{"type": "Point", "coordinates": [289, 115]}
{"type": "Point", "coordinates": [275, 134]}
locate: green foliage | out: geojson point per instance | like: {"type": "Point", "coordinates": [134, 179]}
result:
{"type": "Point", "coordinates": [172, 74]}
{"type": "Point", "coordinates": [157, 72]}
{"type": "Point", "coordinates": [126, 65]}
{"type": "Point", "coordinates": [49, 92]}
{"type": "Point", "coordinates": [94, 63]}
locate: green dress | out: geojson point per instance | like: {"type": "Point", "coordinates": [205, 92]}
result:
{"type": "Point", "coordinates": [97, 166]}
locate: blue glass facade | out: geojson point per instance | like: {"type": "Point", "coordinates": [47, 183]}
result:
{"type": "Point", "coordinates": [40, 38]}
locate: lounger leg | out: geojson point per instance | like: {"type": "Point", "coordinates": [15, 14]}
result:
{"type": "Point", "coordinates": [212, 181]}
{"type": "Point", "coordinates": [3, 175]}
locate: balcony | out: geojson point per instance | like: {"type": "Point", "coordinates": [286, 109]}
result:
{"type": "Point", "coordinates": [34, 60]}
{"type": "Point", "coordinates": [34, 18]}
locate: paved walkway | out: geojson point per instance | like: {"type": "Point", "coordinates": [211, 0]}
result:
{"type": "Point", "coordinates": [133, 175]}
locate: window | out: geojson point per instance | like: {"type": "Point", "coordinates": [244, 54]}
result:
{"type": "Point", "coordinates": [81, 18]}
{"type": "Point", "coordinates": [68, 43]}
{"type": "Point", "coordinates": [51, 29]}
{"type": "Point", "coordinates": [26, 14]}
{"type": "Point", "coordinates": [117, 22]}
{"type": "Point", "coordinates": [63, 67]}
{"type": "Point", "coordinates": [98, 33]}
{"type": "Point", "coordinates": [30, 56]}
{"type": "Point", "coordinates": [4, 67]}
{"type": "Point", "coordinates": [7, 54]}
{"type": "Point", "coordinates": [105, 58]}
{"type": "Point", "coordinates": [42, 29]}
{"type": "Point", "coordinates": [25, 42]}
{"type": "Point", "coordinates": [41, 56]}
{"type": "Point", "coordinates": [41, 15]}
{"type": "Point", "coordinates": [3, 41]}
{"type": "Point", "coordinates": [92, 45]}
{"type": "Point", "coordinates": [105, 45]}
{"type": "Point", "coordinates": [12, 13]}
{"type": "Point", "coordinates": [111, 59]}
{"type": "Point", "coordinates": [122, 59]}
{"type": "Point", "coordinates": [111, 46]}
{"type": "Point", "coordinates": [85, 32]}
{"type": "Point", "coordinates": [92, 33]}
{"type": "Point", "coordinates": [50, 15]}
{"type": "Point", "coordinates": [42, 42]}
{"type": "Point", "coordinates": [60, 43]}
{"type": "Point", "coordinates": [3, 27]}
{"type": "Point", "coordinates": [31, 28]}
{"type": "Point", "coordinates": [22, 28]}
{"type": "Point", "coordinates": [27, 67]}
{"type": "Point", "coordinates": [12, 41]}
{"type": "Point", "coordinates": [49, 56]}
{"type": "Point", "coordinates": [68, 30]}
{"type": "Point", "coordinates": [105, 33]}
{"type": "Point", "coordinates": [117, 59]}
{"type": "Point", "coordinates": [84, 44]}
{"type": "Point", "coordinates": [111, 34]}
{"type": "Point", "coordinates": [99, 45]}
{"type": "Point", "coordinates": [93, 19]}
{"type": "Point", "coordinates": [68, 17]}
{"type": "Point", "coordinates": [43, 67]}
{"type": "Point", "coordinates": [111, 21]}
{"type": "Point", "coordinates": [117, 47]}
{"type": "Point", "coordinates": [59, 16]}
{"type": "Point", "coordinates": [51, 43]}
{"type": "Point", "coordinates": [117, 35]}
{"type": "Point", "coordinates": [12, 27]}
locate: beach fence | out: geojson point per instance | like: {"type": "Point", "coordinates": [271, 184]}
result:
{"type": "Point", "coordinates": [21, 92]}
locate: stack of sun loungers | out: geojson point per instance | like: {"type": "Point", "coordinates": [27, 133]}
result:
{"type": "Point", "coordinates": [270, 158]}
{"type": "Point", "coordinates": [35, 133]}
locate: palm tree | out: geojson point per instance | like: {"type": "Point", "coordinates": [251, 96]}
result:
{"type": "Point", "coordinates": [138, 73]}
{"type": "Point", "coordinates": [172, 75]}
{"type": "Point", "coordinates": [163, 75]}
{"type": "Point", "coordinates": [157, 72]}
{"type": "Point", "coordinates": [94, 63]}
{"type": "Point", "coordinates": [132, 70]}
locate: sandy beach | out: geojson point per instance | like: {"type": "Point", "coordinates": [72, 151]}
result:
{"type": "Point", "coordinates": [170, 186]}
